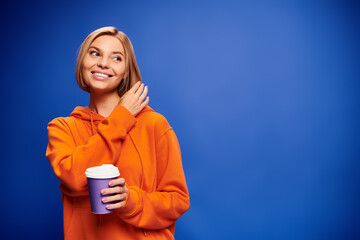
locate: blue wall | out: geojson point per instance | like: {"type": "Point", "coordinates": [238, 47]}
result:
{"type": "Point", "coordinates": [263, 96]}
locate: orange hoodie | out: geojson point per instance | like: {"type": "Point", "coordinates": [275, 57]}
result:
{"type": "Point", "coordinates": [147, 153]}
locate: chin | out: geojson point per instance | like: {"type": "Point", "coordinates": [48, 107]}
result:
{"type": "Point", "coordinates": [103, 90]}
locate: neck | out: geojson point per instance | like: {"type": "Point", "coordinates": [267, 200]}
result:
{"type": "Point", "coordinates": [103, 103]}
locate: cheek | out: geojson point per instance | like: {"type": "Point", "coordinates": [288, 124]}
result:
{"type": "Point", "coordinates": [85, 70]}
{"type": "Point", "coordinates": [87, 62]}
{"type": "Point", "coordinates": [120, 70]}
{"type": "Point", "coordinates": [85, 75]}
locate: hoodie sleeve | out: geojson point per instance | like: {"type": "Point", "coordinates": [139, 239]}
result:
{"type": "Point", "coordinates": [69, 161]}
{"type": "Point", "coordinates": [160, 209]}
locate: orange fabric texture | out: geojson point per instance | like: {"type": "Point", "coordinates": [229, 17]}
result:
{"type": "Point", "coordinates": [147, 153]}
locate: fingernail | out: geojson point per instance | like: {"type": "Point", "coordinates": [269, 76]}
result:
{"type": "Point", "coordinates": [104, 199]}
{"type": "Point", "coordinates": [103, 191]}
{"type": "Point", "coordinates": [110, 183]}
{"type": "Point", "coordinates": [107, 207]}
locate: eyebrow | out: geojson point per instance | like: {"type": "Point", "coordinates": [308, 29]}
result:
{"type": "Point", "coordinates": [97, 49]}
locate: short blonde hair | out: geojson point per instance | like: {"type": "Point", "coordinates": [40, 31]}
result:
{"type": "Point", "coordinates": [132, 72]}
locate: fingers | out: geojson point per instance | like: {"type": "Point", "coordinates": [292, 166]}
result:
{"type": "Point", "coordinates": [115, 205]}
{"type": "Point", "coordinates": [116, 186]}
{"type": "Point", "coordinates": [135, 87]}
{"type": "Point", "coordinates": [118, 181]}
{"type": "Point", "coordinates": [143, 104]}
{"type": "Point", "coordinates": [116, 194]}
{"type": "Point", "coordinates": [135, 99]}
{"type": "Point", "coordinates": [139, 90]}
{"type": "Point", "coordinates": [115, 198]}
{"type": "Point", "coordinates": [143, 95]}
{"type": "Point", "coordinates": [114, 190]}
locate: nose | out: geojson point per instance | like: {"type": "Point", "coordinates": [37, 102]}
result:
{"type": "Point", "coordinates": [103, 62]}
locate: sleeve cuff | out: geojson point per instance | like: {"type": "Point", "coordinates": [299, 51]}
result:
{"type": "Point", "coordinates": [132, 204]}
{"type": "Point", "coordinates": [122, 117]}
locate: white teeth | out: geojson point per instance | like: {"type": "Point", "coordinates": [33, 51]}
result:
{"type": "Point", "coordinates": [101, 74]}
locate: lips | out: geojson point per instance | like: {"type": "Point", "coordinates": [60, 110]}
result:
{"type": "Point", "coordinates": [101, 75]}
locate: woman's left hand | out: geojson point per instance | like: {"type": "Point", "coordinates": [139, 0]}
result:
{"type": "Point", "coordinates": [118, 190]}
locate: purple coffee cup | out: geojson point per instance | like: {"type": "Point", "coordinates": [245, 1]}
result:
{"type": "Point", "coordinates": [98, 178]}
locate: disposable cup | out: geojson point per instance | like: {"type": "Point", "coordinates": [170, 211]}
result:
{"type": "Point", "coordinates": [98, 178]}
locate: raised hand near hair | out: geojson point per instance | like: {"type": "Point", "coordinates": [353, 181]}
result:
{"type": "Point", "coordinates": [135, 99]}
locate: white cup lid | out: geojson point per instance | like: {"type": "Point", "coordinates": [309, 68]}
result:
{"type": "Point", "coordinates": [103, 171]}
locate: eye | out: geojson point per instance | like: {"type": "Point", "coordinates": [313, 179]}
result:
{"type": "Point", "coordinates": [117, 59]}
{"type": "Point", "coordinates": [94, 53]}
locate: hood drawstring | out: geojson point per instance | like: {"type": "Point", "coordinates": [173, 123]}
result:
{"type": "Point", "coordinates": [92, 123]}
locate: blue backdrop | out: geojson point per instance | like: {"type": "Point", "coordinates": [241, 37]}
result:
{"type": "Point", "coordinates": [263, 96]}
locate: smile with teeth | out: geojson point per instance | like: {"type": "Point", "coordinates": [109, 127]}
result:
{"type": "Point", "coordinates": [101, 76]}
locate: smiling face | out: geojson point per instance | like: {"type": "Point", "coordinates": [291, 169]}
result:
{"type": "Point", "coordinates": [103, 66]}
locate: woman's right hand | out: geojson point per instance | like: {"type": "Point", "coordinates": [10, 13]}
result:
{"type": "Point", "coordinates": [135, 99]}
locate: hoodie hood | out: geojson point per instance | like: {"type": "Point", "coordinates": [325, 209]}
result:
{"type": "Point", "coordinates": [86, 114]}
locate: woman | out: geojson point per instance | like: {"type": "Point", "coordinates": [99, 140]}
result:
{"type": "Point", "coordinates": [117, 128]}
